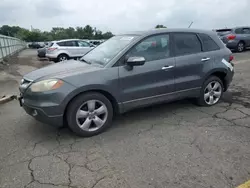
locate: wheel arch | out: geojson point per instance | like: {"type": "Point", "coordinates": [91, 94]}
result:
{"type": "Point", "coordinates": [107, 94]}
{"type": "Point", "coordinates": [220, 73]}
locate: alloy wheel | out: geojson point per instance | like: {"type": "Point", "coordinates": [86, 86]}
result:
{"type": "Point", "coordinates": [240, 47]}
{"type": "Point", "coordinates": [92, 115]}
{"type": "Point", "coordinates": [212, 92]}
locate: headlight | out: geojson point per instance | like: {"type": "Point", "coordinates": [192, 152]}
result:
{"type": "Point", "coordinates": [46, 85]}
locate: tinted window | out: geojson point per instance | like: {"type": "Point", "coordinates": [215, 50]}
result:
{"type": "Point", "coordinates": [67, 43]}
{"type": "Point", "coordinates": [186, 43]}
{"type": "Point", "coordinates": [246, 30]}
{"type": "Point", "coordinates": [239, 31]}
{"type": "Point", "coordinates": [152, 48]}
{"type": "Point", "coordinates": [208, 43]}
{"type": "Point", "coordinates": [83, 44]}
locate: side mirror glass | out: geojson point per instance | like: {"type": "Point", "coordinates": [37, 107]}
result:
{"type": "Point", "coordinates": [135, 61]}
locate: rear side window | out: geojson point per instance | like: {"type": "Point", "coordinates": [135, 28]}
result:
{"type": "Point", "coordinates": [67, 43]}
{"type": "Point", "coordinates": [186, 43]}
{"type": "Point", "coordinates": [208, 43]}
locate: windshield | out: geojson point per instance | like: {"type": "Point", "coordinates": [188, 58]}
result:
{"type": "Point", "coordinates": [106, 51]}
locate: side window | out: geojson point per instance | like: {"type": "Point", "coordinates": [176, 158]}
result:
{"type": "Point", "coordinates": [83, 44]}
{"type": "Point", "coordinates": [246, 30]}
{"type": "Point", "coordinates": [61, 43]}
{"type": "Point", "coordinates": [208, 43]}
{"type": "Point", "coordinates": [153, 48]}
{"type": "Point", "coordinates": [70, 43]}
{"type": "Point", "coordinates": [186, 43]}
{"type": "Point", "coordinates": [239, 31]}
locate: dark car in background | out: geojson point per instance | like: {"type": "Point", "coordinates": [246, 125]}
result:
{"type": "Point", "coordinates": [128, 71]}
{"type": "Point", "coordinates": [237, 38]}
{"type": "Point", "coordinates": [35, 45]}
{"type": "Point", "coordinates": [41, 52]}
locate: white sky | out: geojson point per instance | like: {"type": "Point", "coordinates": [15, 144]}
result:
{"type": "Point", "coordinates": [124, 15]}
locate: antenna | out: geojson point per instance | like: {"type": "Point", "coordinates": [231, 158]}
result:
{"type": "Point", "coordinates": [190, 24]}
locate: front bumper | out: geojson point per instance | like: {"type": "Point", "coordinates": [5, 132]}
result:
{"type": "Point", "coordinates": [41, 116]}
{"type": "Point", "coordinates": [47, 107]}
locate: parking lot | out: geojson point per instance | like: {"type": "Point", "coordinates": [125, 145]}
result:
{"type": "Point", "coordinates": [177, 145]}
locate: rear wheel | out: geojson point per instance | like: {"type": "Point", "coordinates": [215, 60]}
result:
{"type": "Point", "coordinates": [89, 114]}
{"type": "Point", "coordinates": [240, 47]}
{"type": "Point", "coordinates": [62, 57]}
{"type": "Point", "coordinates": [211, 92]}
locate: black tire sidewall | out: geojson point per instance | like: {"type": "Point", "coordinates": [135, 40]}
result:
{"type": "Point", "coordinates": [201, 100]}
{"type": "Point", "coordinates": [74, 106]}
{"type": "Point", "coordinates": [62, 55]}
{"type": "Point", "coordinates": [238, 47]}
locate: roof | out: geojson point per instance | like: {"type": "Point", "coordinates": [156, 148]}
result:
{"type": "Point", "coordinates": [64, 40]}
{"type": "Point", "coordinates": [163, 30]}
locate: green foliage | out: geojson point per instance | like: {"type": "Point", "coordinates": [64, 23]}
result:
{"type": "Point", "coordinates": [56, 33]}
{"type": "Point", "coordinates": [160, 26]}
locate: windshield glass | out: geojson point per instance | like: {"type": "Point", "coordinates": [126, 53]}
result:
{"type": "Point", "coordinates": [106, 51]}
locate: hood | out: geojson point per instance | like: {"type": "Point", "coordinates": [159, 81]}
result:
{"type": "Point", "coordinates": [61, 70]}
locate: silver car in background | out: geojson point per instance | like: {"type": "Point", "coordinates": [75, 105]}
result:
{"type": "Point", "coordinates": [235, 38]}
{"type": "Point", "coordinates": [68, 49]}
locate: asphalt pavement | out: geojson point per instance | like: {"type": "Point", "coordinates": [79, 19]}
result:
{"type": "Point", "coordinates": [176, 145]}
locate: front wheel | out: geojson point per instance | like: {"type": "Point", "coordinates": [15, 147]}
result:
{"type": "Point", "coordinates": [211, 92]}
{"type": "Point", "coordinates": [89, 114]}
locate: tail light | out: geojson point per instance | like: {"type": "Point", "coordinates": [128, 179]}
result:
{"type": "Point", "coordinates": [51, 49]}
{"type": "Point", "coordinates": [231, 37]}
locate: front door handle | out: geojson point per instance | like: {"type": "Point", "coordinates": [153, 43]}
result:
{"type": "Point", "coordinates": [205, 59]}
{"type": "Point", "coordinates": [167, 67]}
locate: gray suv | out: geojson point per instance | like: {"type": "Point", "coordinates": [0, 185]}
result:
{"type": "Point", "coordinates": [236, 38]}
{"type": "Point", "coordinates": [126, 72]}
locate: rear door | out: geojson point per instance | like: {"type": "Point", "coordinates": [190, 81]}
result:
{"type": "Point", "coordinates": [153, 81]}
{"type": "Point", "coordinates": [191, 62]}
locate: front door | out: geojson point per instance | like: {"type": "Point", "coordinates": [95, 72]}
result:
{"type": "Point", "coordinates": [153, 81]}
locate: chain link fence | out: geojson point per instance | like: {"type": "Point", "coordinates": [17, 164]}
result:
{"type": "Point", "coordinates": [10, 46]}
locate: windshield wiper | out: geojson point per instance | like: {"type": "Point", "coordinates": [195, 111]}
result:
{"type": "Point", "coordinates": [82, 59]}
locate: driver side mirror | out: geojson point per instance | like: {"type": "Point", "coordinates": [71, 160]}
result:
{"type": "Point", "coordinates": [135, 61]}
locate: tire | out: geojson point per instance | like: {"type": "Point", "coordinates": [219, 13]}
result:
{"type": "Point", "coordinates": [62, 57]}
{"type": "Point", "coordinates": [77, 118]}
{"type": "Point", "coordinates": [240, 47]}
{"type": "Point", "coordinates": [206, 95]}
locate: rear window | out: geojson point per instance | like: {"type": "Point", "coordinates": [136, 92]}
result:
{"type": "Point", "coordinates": [208, 43]}
{"type": "Point", "coordinates": [222, 32]}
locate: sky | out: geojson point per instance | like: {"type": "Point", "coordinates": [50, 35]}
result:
{"type": "Point", "coordinates": [120, 16]}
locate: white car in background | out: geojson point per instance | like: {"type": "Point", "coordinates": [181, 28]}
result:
{"type": "Point", "coordinates": [68, 49]}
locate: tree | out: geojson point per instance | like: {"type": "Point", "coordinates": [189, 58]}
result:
{"type": "Point", "coordinates": [56, 33]}
{"type": "Point", "coordinates": [160, 26]}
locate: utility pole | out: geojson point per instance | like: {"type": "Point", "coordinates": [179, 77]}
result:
{"type": "Point", "coordinates": [190, 24]}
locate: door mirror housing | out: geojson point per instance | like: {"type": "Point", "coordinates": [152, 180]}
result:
{"type": "Point", "coordinates": [135, 61]}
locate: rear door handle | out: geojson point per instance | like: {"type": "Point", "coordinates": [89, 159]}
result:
{"type": "Point", "coordinates": [205, 59]}
{"type": "Point", "coordinates": [167, 67]}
